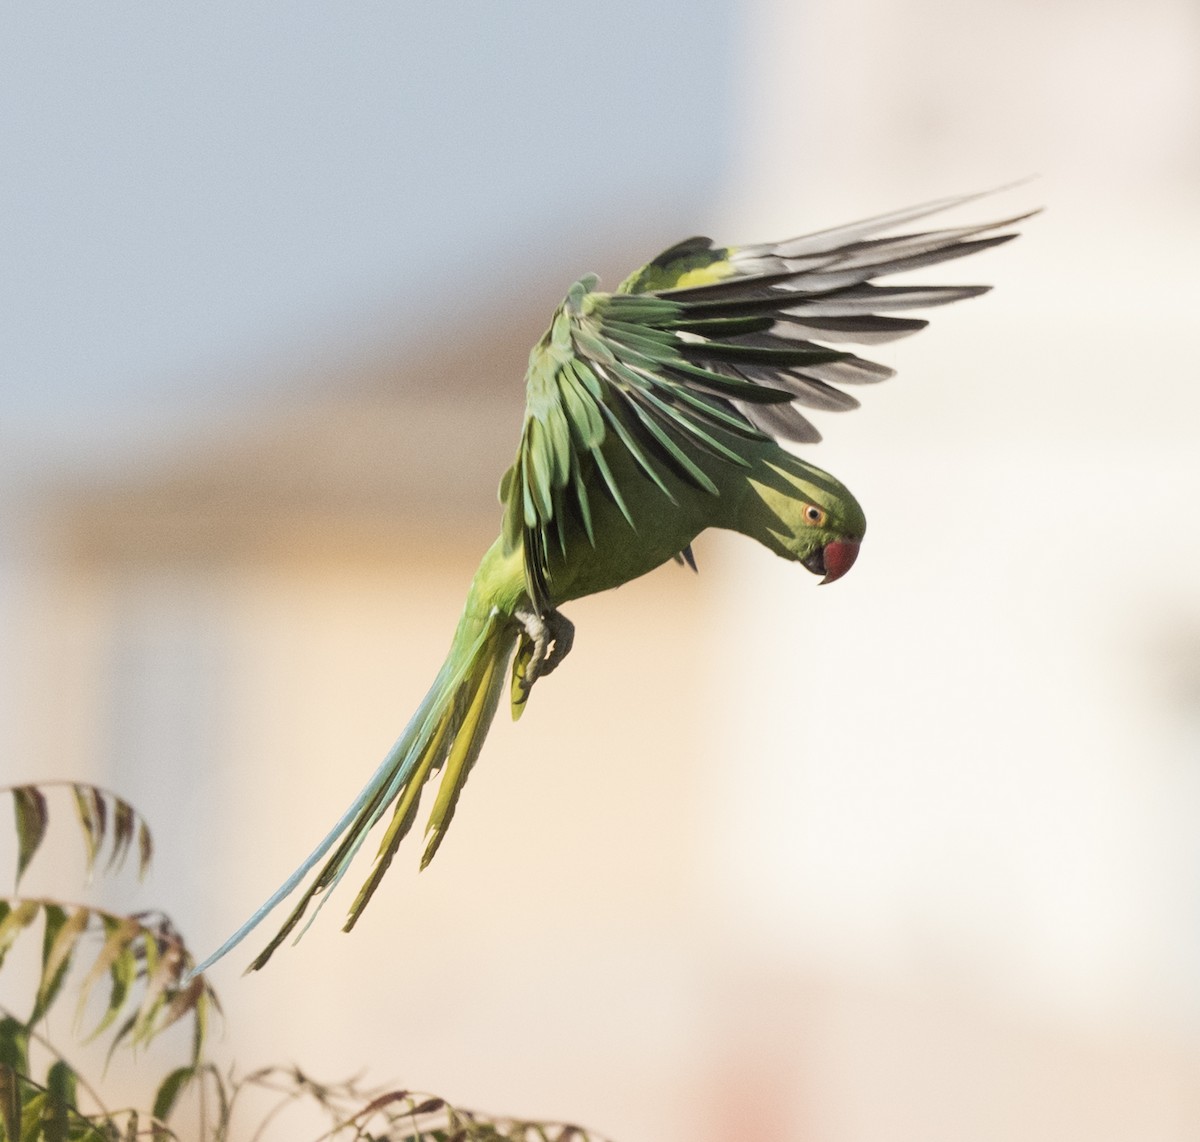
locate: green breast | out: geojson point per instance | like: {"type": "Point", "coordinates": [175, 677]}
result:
{"type": "Point", "coordinates": [621, 553]}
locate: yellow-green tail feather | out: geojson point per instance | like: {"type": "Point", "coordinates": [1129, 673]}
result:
{"type": "Point", "coordinates": [446, 733]}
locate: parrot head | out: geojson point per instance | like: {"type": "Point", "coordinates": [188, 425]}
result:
{"type": "Point", "coordinates": [813, 518]}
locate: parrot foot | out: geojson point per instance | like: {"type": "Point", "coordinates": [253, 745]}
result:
{"type": "Point", "coordinates": [550, 636]}
{"type": "Point", "coordinates": [546, 639]}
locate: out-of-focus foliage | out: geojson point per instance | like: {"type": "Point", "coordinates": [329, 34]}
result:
{"type": "Point", "coordinates": [104, 818]}
{"type": "Point", "coordinates": [134, 982]}
{"type": "Point", "coordinates": [402, 1115]}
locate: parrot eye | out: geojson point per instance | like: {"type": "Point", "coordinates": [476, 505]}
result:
{"type": "Point", "coordinates": [814, 515]}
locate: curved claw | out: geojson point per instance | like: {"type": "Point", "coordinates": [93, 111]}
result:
{"type": "Point", "coordinates": [562, 638]}
{"type": "Point", "coordinates": [546, 639]}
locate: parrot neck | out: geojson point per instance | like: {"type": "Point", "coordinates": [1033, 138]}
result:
{"type": "Point", "coordinates": [499, 583]}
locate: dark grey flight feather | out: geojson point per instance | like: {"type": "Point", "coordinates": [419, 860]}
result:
{"type": "Point", "coordinates": [867, 298]}
{"type": "Point", "coordinates": [865, 330]}
{"type": "Point", "coordinates": [783, 421]}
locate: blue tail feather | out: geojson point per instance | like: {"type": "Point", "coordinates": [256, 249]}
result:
{"type": "Point", "coordinates": [386, 784]}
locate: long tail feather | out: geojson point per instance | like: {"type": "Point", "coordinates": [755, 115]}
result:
{"type": "Point", "coordinates": [447, 731]}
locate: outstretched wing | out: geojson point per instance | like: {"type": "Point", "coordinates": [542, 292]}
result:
{"type": "Point", "coordinates": [706, 345]}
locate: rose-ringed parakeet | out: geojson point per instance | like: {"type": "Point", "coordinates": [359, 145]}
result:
{"type": "Point", "coordinates": [652, 413]}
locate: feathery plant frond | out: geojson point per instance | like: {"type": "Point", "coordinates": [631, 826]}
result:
{"type": "Point", "coordinates": [137, 969]}
{"type": "Point", "coordinates": [141, 957]}
{"type": "Point", "coordinates": [47, 1111]}
{"type": "Point", "coordinates": [132, 967]}
{"type": "Point", "coordinates": [403, 1115]}
{"type": "Point", "coordinates": [104, 819]}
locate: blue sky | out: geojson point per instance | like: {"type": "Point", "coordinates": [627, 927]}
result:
{"type": "Point", "coordinates": [186, 187]}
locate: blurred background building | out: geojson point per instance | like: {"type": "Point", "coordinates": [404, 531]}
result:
{"type": "Point", "coordinates": [913, 859]}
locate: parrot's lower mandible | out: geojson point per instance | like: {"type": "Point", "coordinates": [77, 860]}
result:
{"type": "Point", "coordinates": [652, 413]}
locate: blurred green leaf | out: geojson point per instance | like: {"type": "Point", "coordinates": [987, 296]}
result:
{"type": "Point", "coordinates": [15, 917]}
{"type": "Point", "coordinates": [61, 1084]}
{"type": "Point", "coordinates": [58, 946]}
{"type": "Point", "coordinates": [116, 959]}
{"type": "Point", "coordinates": [89, 807]}
{"type": "Point", "coordinates": [32, 817]}
{"type": "Point", "coordinates": [170, 1089]}
{"type": "Point", "coordinates": [10, 1103]}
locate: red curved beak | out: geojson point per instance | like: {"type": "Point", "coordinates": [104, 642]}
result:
{"type": "Point", "coordinates": [839, 557]}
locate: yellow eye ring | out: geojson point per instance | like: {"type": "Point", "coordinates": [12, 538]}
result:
{"type": "Point", "coordinates": [813, 515]}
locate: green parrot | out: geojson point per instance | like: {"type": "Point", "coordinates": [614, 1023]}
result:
{"type": "Point", "coordinates": [652, 414]}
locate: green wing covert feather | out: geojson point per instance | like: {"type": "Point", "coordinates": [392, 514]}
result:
{"type": "Point", "coordinates": [701, 346]}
